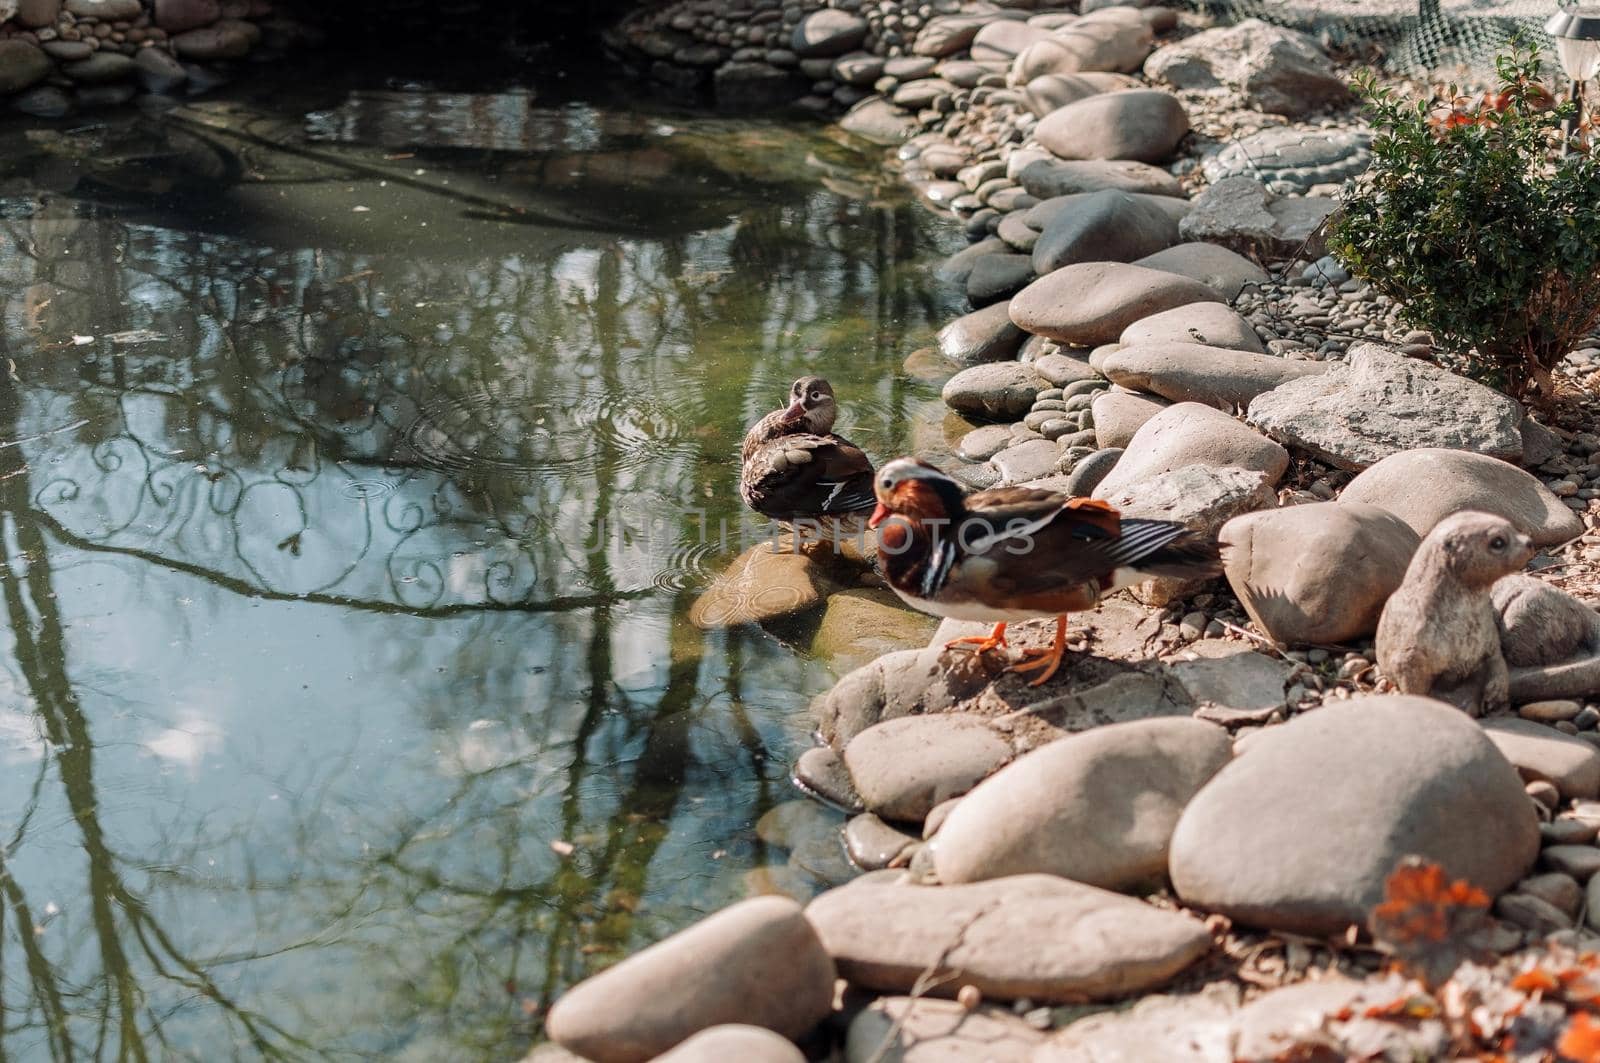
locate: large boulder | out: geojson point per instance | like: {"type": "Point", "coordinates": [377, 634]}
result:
{"type": "Point", "coordinates": [1193, 372]}
{"type": "Point", "coordinates": [1142, 124]}
{"type": "Point", "coordinates": [1422, 487]}
{"type": "Point", "coordinates": [1300, 832]}
{"type": "Point", "coordinates": [1035, 936]}
{"type": "Point", "coordinates": [1280, 70]}
{"type": "Point", "coordinates": [1318, 573]}
{"type": "Point", "coordinates": [1090, 303]}
{"type": "Point", "coordinates": [758, 962]}
{"type": "Point", "coordinates": [1188, 434]}
{"type": "Point", "coordinates": [1226, 271]}
{"type": "Point", "coordinates": [1097, 807]}
{"type": "Point", "coordinates": [1241, 214]}
{"type": "Point", "coordinates": [1381, 403]}
{"type": "Point", "coordinates": [1106, 226]}
{"type": "Point", "coordinates": [1003, 40]}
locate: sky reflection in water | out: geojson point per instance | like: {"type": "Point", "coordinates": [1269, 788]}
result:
{"type": "Point", "coordinates": [308, 650]}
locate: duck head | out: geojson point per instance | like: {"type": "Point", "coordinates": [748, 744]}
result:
{"type": "Point", "coordinates": [917, 491]}
{"type": "Point", "coordinates": [811, 404]}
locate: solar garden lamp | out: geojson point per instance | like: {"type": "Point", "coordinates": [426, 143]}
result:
{"type": "Point", "coordinates": [1577, 35]}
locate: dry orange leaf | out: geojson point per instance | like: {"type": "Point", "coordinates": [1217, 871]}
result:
{"type": "Point", "coordinates": [1428, 922]}
{"type": "Point", "coordinates": [1581, 1040]}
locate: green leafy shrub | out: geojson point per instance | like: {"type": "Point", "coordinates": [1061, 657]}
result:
{"type": "Point", "coordinates": [1476, 225]}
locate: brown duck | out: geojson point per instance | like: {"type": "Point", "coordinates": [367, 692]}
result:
{"type": "Point", "coordinates": [795, 468]}
{"type": "Point", "coordinates": [1014, 553]}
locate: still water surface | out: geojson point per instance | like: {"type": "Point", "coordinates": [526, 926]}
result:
{"type": "Point", "coordinates": [363, 451]}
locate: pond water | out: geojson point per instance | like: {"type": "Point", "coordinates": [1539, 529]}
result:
{"type": "Point", "coordinates": [365, 445]}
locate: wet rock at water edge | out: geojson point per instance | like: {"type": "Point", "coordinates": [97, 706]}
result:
{"type": "Point", "coordinates": [1190, 433]}
{"type": "Point", "coordinates": [760, 585]}
{"type": "Point", "coordinates": [1192, 372]}
{"type": "Point", "coordinates": [1280, 70]}
{"type": "Point", "coordinates": [874, 844]}
{"type": "Point", "coordinates": [958, 267]}
{"type": "Point", "coordinates": [1091, 303]}
{"type": "Point", "coordinates": [1142, 125]}
{"type": "Point", "coordinates": [22, 65]}
{"type": "Point", "coordinates": [1097, 807]}
{"type": "Point", "coordinates": [999, 391]}
{"type": "Point", "coordinates": [176, 16]}
{"type": "Point", "coordinates": [1300, 832]}
{"type": "Point", "coordinates": [100, 68]}
{"type": "Point", "coordinates": [862, 622]}
{"type": "Point", "coordinates": [700, 978]}
{"type": "Point", "coordinates": [900, 684]}
{"type": "Point", "coordinates": [917, 1028]}
{"type": "Point", "coordinates": [1209, 324]}
{"type": "Point", "coordinates": [1226, 271]}
{"type": "Point", "coordinates": [1317, 573]}
{"type": "Point", "coordinates": [902, 768]}
{"type": "Point", "coordinates": [996, 278]}
{"type": "Point", "coordinates": [877, 120]}
{"type": "Point", "coordinates": [1381, 403]}
{"type": "Point", "coordinates": [829, 32]}
{"type": "Point", "coordinates": [1424, 486]}
{"type": "Point", "coordinates": [1033, 936]}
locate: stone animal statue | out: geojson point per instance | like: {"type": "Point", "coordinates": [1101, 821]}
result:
{"type": "Point", "coordinates": [1439, 634]}
{"type": "Point", "coordinates": [1550, 640]}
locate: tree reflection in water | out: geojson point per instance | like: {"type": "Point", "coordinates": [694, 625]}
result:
{"type": "Point", "coordinates": [339, 585]}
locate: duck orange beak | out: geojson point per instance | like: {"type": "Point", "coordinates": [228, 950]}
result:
{"type": "Point", "coordinates": [879, 515]}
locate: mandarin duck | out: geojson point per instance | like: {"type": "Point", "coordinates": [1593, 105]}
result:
{"type": "Point", "coordinates": [1014, 553]}
{"type": "Point", "coordinates": [795, 468]}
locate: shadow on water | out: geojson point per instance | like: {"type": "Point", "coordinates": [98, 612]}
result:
{"type": "Point", "coordinates": [354, 488]}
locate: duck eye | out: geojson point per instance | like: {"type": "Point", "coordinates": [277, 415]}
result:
{"type": "Point", "coordinates": [1498, 543]}
{"type": "Point", "coordinates": [816, 396]}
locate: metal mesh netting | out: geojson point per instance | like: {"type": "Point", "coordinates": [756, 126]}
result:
{"type": "Point", "coordinates": [1410, 36]}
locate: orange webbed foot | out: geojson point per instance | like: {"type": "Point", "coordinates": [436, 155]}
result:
{"type": "Point", "coordinates": [1045, 661]}
{"type": "Point", "coordinates": [981, 644]}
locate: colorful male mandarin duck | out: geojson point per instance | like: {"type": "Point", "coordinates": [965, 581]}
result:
{"type": "Point", "coordinates": [1013, 553]}
{"type": "Point", "coordinates": [795, 468]}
